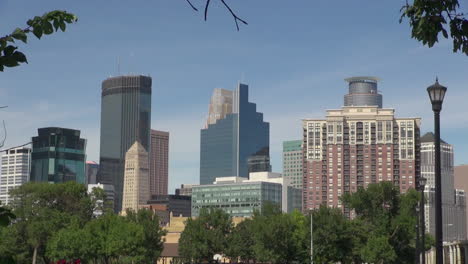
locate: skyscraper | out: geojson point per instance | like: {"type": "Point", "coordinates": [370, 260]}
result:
{"type": "Point", "coordinates": [226, 145]}
{"type": "Point", "coordinates": [15, 171]}
{"type": "Point", "coordinates": [136, 190]}
{"type": "Point", "coordinates": [58, 155]}
{"type": "Point", "coordinates": [453, 201]}
{"type": "Point", "coordinates": [92, 169]}
{"type": "Point", "coordinates": [159, 162]}
{"type": "Point", "coordinates": [292, 162]}
{"type": "Point", "coordinates": [125, 118]}
{"type": "Point", "coordinates": [359, 144]}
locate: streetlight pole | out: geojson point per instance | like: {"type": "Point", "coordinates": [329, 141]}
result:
{"type": "Point", "coordinates": [311, 238]}
{"type": "Point", "coordinates": [436, 94]}
{"type": "Point", "coordinates": [422, 223]}
{"type": "Point", "coordinates": [418, 248]}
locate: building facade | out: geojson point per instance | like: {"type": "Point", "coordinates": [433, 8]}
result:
{"type": "Point", "coordinates": [125, 118]}
{"type": "Point", "coordinates": [58, 155]}
{"type": "Point", "coordinates": [292, 162]}
{"type": "Point", "coordinates": [241, 197]}
{"type": "Point", "coordinates": [461, 183]}
{"type": "Point", "coordinates": [159, 162]}
{"type": "Point", "coordinates": [185, 189]}
{"type": "Point", "coordinates": [101, 204]}
{"type": "Point", "coordinates": [136, 190]}
{"type": "Point", "coordinates": [453, 201]}
{"type": "Point", "coordinates": [226, 145]}
{"type": "Point", "coordinates": [15, 168]}
{"type": "Point", "coordinates": [92, 169]}
{"type": "Point", "coordinates": [355, 146]}
{"type": "Point", "coordinates": [178, 205]}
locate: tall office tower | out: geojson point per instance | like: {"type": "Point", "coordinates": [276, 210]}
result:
{"type": "Point", "coordinates": [15, 171]}
{"type": "Point", "coordinates": [58, 155]}
{"type": "Point", "coordinates": [125, 118]}
{"type": "Point", "coordinates": [226, 145]}
{"type": "Point", "coordinates": [220, 106]}
{"type": "Point", "coordinates": [159, 162]}
{"type": "Point", "coordinates": [355, 146]}
{"type": "Point", "coordinates": [453, 204]}
{"type": "Point", "coordinates": [259, 162]}
{"type": "Point", "coordinates": [136, 190]}
{"type": "Point", "coordinates": [292, 162]}
{"type": "Point", "coordinates": [461, 183]}
{"type": "Point", "coordinates": [92, 169]}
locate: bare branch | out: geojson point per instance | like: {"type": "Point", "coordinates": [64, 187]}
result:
{"type": "Point", "coordinates": [193, 7]}
{"type": "Point", "coordinates": [206, 8]}
{"type": "Point", "coordinates": [3, 150]}
{"type": "Point", "coordinates": [236, 18]}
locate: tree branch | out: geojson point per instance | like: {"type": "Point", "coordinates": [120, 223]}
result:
{"type": "Point", "coordinates": [236, 18]}
{"type": "Point", "coordinates": [206, 8]}
{"type": "Point", "coordinates": [190, 3]}
{"type": "Point", "coordinates": [207, 4]}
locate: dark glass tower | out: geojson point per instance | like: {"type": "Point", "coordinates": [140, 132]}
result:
{"type": "Point", "coordinates": [58, 155]}
{"type": "Point", "coordinates": [125, 118]}
{"type": "Point", "coordinates": [227, 145]}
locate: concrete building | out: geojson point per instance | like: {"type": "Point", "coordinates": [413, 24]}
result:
{"type": "Point", "coordinates": [461, 182]}
{"type": "Point", "coordinates": [185, 189]}
{"type": "Point", "coordinates": [241, 196]}
{"type": "Point", "coordinates": [108, 202]}
{"type": "Point", "coordinates": [292, 162]}
{"type": "Point", "coordinates": [232, 136]}
{"type": "Point", "coordinates": [58, 155]}
{"type": "Point", "coordinates": [91, 169]}
{"type": "Point", "coordinates": [159, 162]}
{"type": "Point", "coordinates": [453, 201]}
{"type": "Point", "coordinates": [359, 144]}
{"type": "Point", "coordinates": [136, 191]}
{"type": "Point", "coordinates": [125, 118]}
{"type": "Point", "coordinates": [15, 168]}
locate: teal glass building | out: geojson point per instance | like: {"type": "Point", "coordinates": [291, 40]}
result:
{"type": "Point", "coordinates": [236, 199]}
{"type": "Point", "coordinates": [227, 144]}
{"type": "Point", "coordinates": [58, 155]}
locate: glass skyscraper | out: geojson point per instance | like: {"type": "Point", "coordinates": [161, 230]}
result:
{"type": "Point", "coordinates": [125, 118]}
{"type": "Point", "coordinates": [227, 143]}
{"type": "Point", "coordinates": [58, 155]}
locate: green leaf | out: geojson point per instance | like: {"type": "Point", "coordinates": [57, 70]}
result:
{"type": "Point", "coordinates": [63, 26]}
{"type": "Point", "coordinates": [37, 31]}
{"type": "Point", "coordinates": [20, 57]}
{"type": "Point", "coordinates": [20, 35]}
{"type": "Point", "coordinates": [47, 28]}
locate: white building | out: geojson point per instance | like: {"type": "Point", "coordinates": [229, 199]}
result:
{"type": "Point", "coordinates": [136, 190]}
{"type": "Point", "coordinates": [16, 164]}
{"type": "Point", "coordinates": [453, 201]}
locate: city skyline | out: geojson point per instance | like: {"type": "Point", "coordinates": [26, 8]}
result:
{"type": "Point", "coordinates": [306, 83]}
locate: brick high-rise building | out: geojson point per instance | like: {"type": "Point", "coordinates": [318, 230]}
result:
{"type": "Point", "coordinates": [159, 162]}
{"type": "Point", "coordinates": [359, 144]}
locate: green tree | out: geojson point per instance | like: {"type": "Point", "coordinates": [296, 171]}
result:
{"type": "Point", "coordinates": [429, 18]}
{"type": "Point", "coordinates": [206, 235]}
{"type": "Point", "coordinates": [42, 209]}
{"type": "Point", "coordinates": [153, 235]}
{"type": "Point", "coordinates": [240, 242]}
{"type": "Point", "coordinates": [5, 216]}
{"type": "Point", "coordinates": [389, 219]}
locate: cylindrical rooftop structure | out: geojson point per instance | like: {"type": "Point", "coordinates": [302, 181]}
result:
{"type": "Point", "coordinates": [363, 92]}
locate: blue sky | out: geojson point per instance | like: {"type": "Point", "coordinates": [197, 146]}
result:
{"type": "Point", "coordinates": [293, 54]}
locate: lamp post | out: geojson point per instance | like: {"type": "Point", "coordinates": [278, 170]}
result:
{"type": "Point", "coordinates": [422, 223]}
{"type": "Point", "coordinates": [311, 238]}
{"type": "Point", "coordinates": [418, 248]}
{"type": "Point", "coordinates": [436, 94]}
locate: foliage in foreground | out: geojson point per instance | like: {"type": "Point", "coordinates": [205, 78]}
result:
{"type": "Point", "coordinates": [382, 231]}
{"type": "Point", "coordinates": [55, 222]}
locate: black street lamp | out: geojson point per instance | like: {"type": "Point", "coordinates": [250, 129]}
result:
{"type": "Point", "coordinates": [436, 94]}
{"type": "Point", "coordinates": [422, 223]}
{"type": "Point", "coordinates": [418, 247]}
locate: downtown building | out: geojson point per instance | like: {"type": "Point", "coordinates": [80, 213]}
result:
{"type": "Point", "coordinates": [235, 136]}
{"type": "Point", "coordinates": [125, 118]}
{"type": "Point", "coordinates": [292, 162]}
{"type": "Point", "coordinates": [159, 162]}
{"type": "Point", "coordinates": [359, 144]}
{"type": "Point", "coordinates": [453, 200]}
{"type": "Point", "coordinates": [136, 189]}
{"type": "Point", "coordinates": [92, 169]}
{"type": "Point", "coordinates": [14, 171]}
{"type": "Point", "coordinates": [58, 155]}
